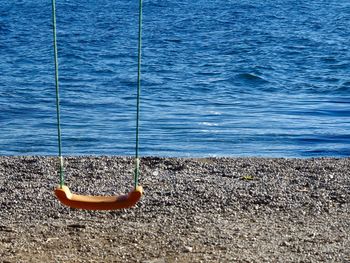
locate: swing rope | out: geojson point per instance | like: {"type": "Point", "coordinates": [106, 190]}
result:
{"type": "Point", "coordinates": [61, 168]}
{"type": "Point", "coordinates": [137, 158]}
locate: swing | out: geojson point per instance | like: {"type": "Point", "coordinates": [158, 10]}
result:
{"type": "Point", "coordinates": [88, 202]}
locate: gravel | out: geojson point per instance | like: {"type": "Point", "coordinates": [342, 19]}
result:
{"type": "Point", "coordinates": [193, 210]}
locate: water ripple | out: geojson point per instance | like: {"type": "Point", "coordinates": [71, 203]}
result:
{"type": "Point", "coordinates": [219, 78]}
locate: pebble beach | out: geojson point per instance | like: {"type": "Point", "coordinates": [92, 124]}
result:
{"type": "Point", "coordinates": [193, 210]}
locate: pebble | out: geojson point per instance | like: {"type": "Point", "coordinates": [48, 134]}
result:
{"type": "Point", "coordinates": [188, 201]}
{"type": "Point", "coordinates": [188, 249]}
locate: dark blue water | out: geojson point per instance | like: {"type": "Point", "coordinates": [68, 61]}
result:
{"type": "Point", "coordinates": [220, 78]}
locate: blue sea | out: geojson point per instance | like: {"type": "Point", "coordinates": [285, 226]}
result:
{"type": "Point", "coordinates": [219, 78]}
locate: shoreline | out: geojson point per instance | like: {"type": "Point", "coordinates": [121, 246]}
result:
{"type": "Point", "coordinates": [216, 209]}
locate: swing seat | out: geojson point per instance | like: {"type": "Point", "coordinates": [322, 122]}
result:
{"type": "Point", "coordinates": [89, 202]}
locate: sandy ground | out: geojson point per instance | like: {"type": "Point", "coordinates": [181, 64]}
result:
{"type": "Point", "coordinates": [193, 210]}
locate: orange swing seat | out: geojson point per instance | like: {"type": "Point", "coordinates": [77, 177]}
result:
{"type": "Point", "coordinates": [90, 202]}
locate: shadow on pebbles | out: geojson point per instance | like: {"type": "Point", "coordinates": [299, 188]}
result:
{"type": "Point", "coordinates": [193, 210]}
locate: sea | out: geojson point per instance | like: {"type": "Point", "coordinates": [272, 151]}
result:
{"type": "Point", "coordinates": [219, 78]}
